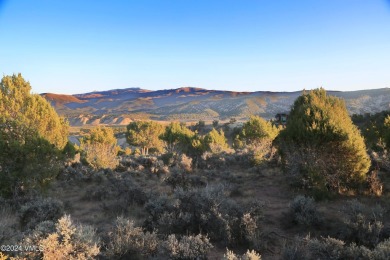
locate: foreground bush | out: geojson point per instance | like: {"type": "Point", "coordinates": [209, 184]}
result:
{"type": "Point", "coordinates": [303, 211]}
{"type": "Point", "coordinates": [204, 210]}
{"type": "Point", "coordinates": [39, 210]}
{"type": "Point", "coordinates": [67, 242]}
{"type": "Point", "coordinates": [331, 248]}
{"type": "Point", "coordinates": [364, 225]}
{"type": "Point", "coordinates": [322, 146]}
{"type": "Point", "coordinates": [187, 247]}
{"type": "Point", "coordinates": [127, 240]}
{"type": "Point", "coordinates": [249, 255]}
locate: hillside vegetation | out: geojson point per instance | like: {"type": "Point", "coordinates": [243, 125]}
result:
{"type": "Point", "coordinates": [315, 188]}
{"type": "Point", "coordinates": [116, 107]}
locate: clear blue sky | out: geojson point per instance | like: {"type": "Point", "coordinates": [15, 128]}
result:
{"type": "Point", "coordinates": [248, 45]}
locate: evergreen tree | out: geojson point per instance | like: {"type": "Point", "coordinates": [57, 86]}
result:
{"type": "Point", "coordinates": [145, 134]}
{"type": "Point", "coordinates": [216, 141]}
{"type": "Point", "coordinates": [386, 131]}
{"type": "Point", "coordinates": [31, 135]}
{"type": "Point", "coordinates": [322, 145]}
{"type": "Point", "coordinates": [178, 137]}
{"type": "Point", "coordinates": [32, 110]}
{"type": "Point", "coordinates": [255, 130]}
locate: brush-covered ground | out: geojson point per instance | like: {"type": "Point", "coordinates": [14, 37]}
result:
{"type": "Point", "coordinates": [148, 209]}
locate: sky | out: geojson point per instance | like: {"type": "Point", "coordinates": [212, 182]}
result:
{"type": "Point", "coordinates": [240, 45]}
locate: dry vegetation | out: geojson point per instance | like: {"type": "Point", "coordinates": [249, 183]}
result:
{"type": "Point", "coordinates": [136, 213]}
{"type": "Point", "coordinates": [255, 191]}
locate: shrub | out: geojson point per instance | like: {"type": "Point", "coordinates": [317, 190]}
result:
{"type": "Point", "coordinates": [185, 163]}
{"type": "Point", "coordinates": [100, 155]}
{"type": "Point", "coordinates": [67, 242]}
{"type": "Point", "coordinates": [177, 178]}
{"type": "Point", "coordinates": [69, 150]}
{"type": "Point", "coordinates": [322, 144]}
{"type": "Point", "coordinates": [7, 223]}
{"type": "Point", "coordinates": [125, 193]}
{"type": "Point", "coordinates": [249, 255]}
{"type": "Point", "coordinates": [331, 248]}
{"type": "Point", "coordinates": [100, 149]}
{"type": "Point", "coordinates": [375, 186]}
{"type": "Point", "coordinates": [304, 211]}
{"type": "Point", "coordinates": [128, 240]}
{"type": "Point", "coordinates": [364, 225]}
{"type": "Point", "coordinates": [187, 247]}
{"type": "Point", "coordinates": [199, 210]}
{"type": "Point", "coordinates": [39, 210]}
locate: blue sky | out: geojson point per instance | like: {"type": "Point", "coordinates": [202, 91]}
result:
{"type": "Point", "coordinates": [246, 45]}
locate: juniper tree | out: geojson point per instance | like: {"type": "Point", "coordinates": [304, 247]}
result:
{"type": "Point", "coordinates": [322, 145]}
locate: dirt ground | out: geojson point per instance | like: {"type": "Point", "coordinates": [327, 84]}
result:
{"type": "Point", "coordinates": [268, 185]}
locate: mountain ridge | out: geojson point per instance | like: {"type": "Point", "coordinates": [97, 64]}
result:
{"type": "Point", "coordinates": [192, 104]}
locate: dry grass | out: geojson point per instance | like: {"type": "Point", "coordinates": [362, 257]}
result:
{"type": "Point", "coordinates": [267, 184]}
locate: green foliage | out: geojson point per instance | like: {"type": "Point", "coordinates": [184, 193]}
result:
{"type": "Point", "coordinates": [102, 135]}
{"type": "Point", "coordinates": [69, 150]}
{"type": "Point", "coordinates": [321, 139]}
{"type": "Point", "coordinates": [257, 135]}
{"type": "Point", "coordinates": [145, 134]}
{"type": "Point", "coordinates": [215, 141]}
{"type": "Point", "coordinates": [31, 134]}
{"type": "Point", "coordinates": [99, 148]}
{"type": "Point", "coordinates": [386, 132]}
{"type": "Point", "coordinates": [32, 110]}
{"type": "Point", "coordinates": [178, 137]}
{"type": "Point", "coordinates": [27, 160]}
{"type": "Point", "coordinates": [257, 129]}
{"type": "Point", "coordinates": [375, 128]}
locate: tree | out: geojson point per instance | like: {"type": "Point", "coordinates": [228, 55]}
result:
{"type": "Point", "coordinates": [177, 137]}
{"type": "Point", "coordinates": [322, 145]}
{"type": "Point", "coordinates": [145, 134]}
{"type": "Point", "coordinates": [103, 135]}
{"type": "Point", "coordinates": [257, 135]}
{"type": "Point", "coordinates": [256, 129]}
{"type": "Point", "coordinates": [216, 141]}
{"type": "Point", "coordinates": [386, 131]}
{"type": "Point", "coordinates": [100, 148]}
{"type": "Point", "coordinates": [31, 110]}
{"type": "Point", "coordinates": [31, 135]}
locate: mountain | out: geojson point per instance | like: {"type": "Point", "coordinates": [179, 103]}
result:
{"type": "Point", "coordinates": [121, 106]}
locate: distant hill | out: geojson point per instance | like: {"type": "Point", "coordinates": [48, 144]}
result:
{"type": "Point", "coordinates": [121, 106]}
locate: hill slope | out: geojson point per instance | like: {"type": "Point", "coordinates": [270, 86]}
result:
{"type": "Point", "coordinates": [120, 106]}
